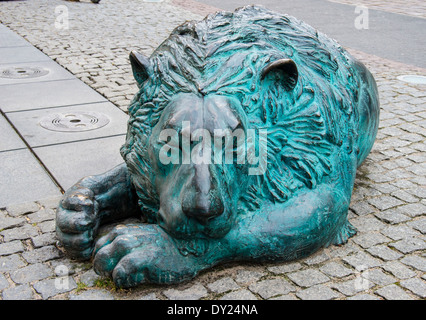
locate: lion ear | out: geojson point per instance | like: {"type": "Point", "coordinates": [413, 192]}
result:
{"type": "Point", "coordinates": [141, 67]}
{"type": "Point", "coordinates": [284, 69]}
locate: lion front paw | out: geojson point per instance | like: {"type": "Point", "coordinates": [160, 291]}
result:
{"type": "Point", "coordinates": [140, 253]}
{"type": "Point", "coordinates": [77, 222]}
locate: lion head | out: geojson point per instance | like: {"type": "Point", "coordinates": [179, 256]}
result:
{"type": "Point", "coordinates": [248, 70]}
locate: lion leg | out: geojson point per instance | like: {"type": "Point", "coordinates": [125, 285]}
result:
{"type": "Point", "coordinates": [91, 202]}
{"type": "Point", "coordinates": [311, 220]}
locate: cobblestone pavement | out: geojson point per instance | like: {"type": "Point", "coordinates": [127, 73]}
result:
{"type": "Point", "coordinates": [415, 8]}
{"type": "Point", "coordinates": [385, 260]}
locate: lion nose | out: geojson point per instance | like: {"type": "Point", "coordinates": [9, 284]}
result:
{"type": "Point", "coordinates": [202, 200]}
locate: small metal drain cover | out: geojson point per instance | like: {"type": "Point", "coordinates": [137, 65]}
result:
{"type": "Point", "coordinates": [74, 121]}
{"type": "Point", "coordinates": [411, 78]}
{"type": "Point", "coordinates": [22, 72]}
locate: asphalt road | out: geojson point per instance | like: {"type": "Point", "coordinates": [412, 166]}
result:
{"type": "Point", "coordinates": [389, 35]}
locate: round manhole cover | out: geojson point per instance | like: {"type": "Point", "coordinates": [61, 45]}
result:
{"type": "Point", "coordinates": [74, 121]}
{"type": "Point", "coordinates": [411, 78]}
{"type": "Point", "coordinates": [22, 72]}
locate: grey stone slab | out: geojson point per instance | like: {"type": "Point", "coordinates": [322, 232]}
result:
{"type": "Point", "coordinates": [21, 54]}
{"type": "Point", "coordinates": [70, 162]}
{"type": "Point", "coordinates": [415, 285]}
{"type": "Point", "coordinates": [23, 179]}
{"type": "Point", "coordinates": [239, 295]}
{"type": "Point", "coordinates": [56, 72]}
{"type": "Point", "coordinates": [12, 262]}
{"type": "Point", "coordinates": [393, 292]}
{"type": "Point", "coordinates": [46, 94]}
{"type": "Point", "coordinates": [21, 292]}
{"type": "Point", "coordinates": [10, 39]}
{"type": "Point", "coordinates": [10, 140]}
{"type": "Point", "coordinates": [11, 247]}
{"type": "Point", "coordinates": [308, 277]}
{"type": "Point", "coordinates": [3, 282]}
{"type": "Point", "coordinates": [272, 287]}
{"type": "Point", "coordinates": [318, 292]}
{"type": "Point", "coordinates": [33, 272]}
{"type": "Point", "coordinates": [195, 292]}
{"type": "Point", "coordinates": [223, 285]}
{"type": "Point", "coordinates": [92, 295]}
{"type": "Point", "coordinates": [28, 124]}
{"type": "Point", "coordinates": [51, 287]}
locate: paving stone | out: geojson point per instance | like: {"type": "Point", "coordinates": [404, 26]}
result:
{"type": "Point", "coordinates": [404, 196]}
{"type": "Point", "coordinates": [42, 215]}
{"type": "Point", "coordinates": [11, 247]}
{"type": "Point", "coordinates": [308, 277]}
{"type": "Point", "coordinates": [248, 276]}
{"type": "Point", "coordinates": [367, 224]}
{"type": "Point", "coordinates": [195, 292]}
{"type": "Point", "coordinates": [384, 253]}
{"type": "Point", "coordinates": [409, 245]}
{"type": "Point", "coordinates": [8, 222]}
{"type": "Point", "coordinates": [25, 232]}
{"type": "Point", "coordinates": [51, 287]}
{"type": "Point", "coordinates": [393, 216]}
{"type": "Point", "coordinates": [22, 209]}
{"type": "Point", "coordinates": [385, 202]}
{"type": "Point", "coordinates": [416, 262]}
{"type": "Point", "coordinates": [353, 286]}
{"type": "Point", "coordinates": [413, 209]}
{"type": "Point", "coordinates": [362, 261]}
{"type": "Point", "coordinates": [44, 239]}
{"type": "Point", "coordinates": [50, 202]}
{"type": "Point", "coordinates": [31, 273]}
{"type": "Point", "coordinates": [89, 278]}
{"type": "Point", "coordinates": [363, 296]}
{"type": "Point", "coordinates": [362, 208]}
{"type": "Point", "coordinates": [92, 295]}
{"type": "Point", "coordinates": [12, 262]}
{"type": "Point", "coordinates": [149, 296]}
{"type": "Point", "coordinates": [393, 292]}
{"type": "Point", "coordinates": [316, 258]}
{"type": "Point", "coordinates": [47, 226]}
{"type": "Point", "coordinates": [25, 96]}
{"type": "Point", "coordinates": [400, 232]}
{"type": "Point", "coordinates": [367, 240]}
{"type": "Point", "coordinates": [378, 277]}
{"type": "Point", "coordinates": [223, 285]}
{"type": "Point", "coordinates": [415, 285]}
{"type": "Point", "coordinates": [242, 294]}
{"type": "Point", "coordinates": [419, 225]}
{"type": "Point", "coordinates": [337, 270]}
{"type": "Point", "coordinates": [318, 292]}
{"type": "Point", "coordinates": [3, 282]}
{"type": "Point", "coordinates": [42, 254]}
{"type": "Point", "coordinates": [398, 269]}
{"type": "Point", "coordinates": [272, 287]}
{"type": "Point", "coordinates": [21, 292]}
{"type": "Point", "coordinates": [285, 268]}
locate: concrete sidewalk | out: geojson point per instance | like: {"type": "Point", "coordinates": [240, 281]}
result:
{"type": "Point", "coordinates": [67, 79]}
{"type": "Point", "coordinates": [48, 142]}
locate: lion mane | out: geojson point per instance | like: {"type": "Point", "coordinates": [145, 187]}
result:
{"type": "Point", "coordinates": [225, 54]}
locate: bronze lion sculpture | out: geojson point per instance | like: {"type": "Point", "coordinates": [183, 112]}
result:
{"type": "Point", "coordinates": [290, 116]}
